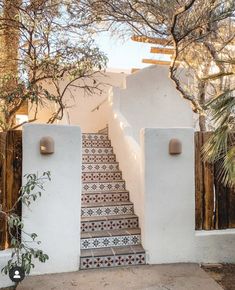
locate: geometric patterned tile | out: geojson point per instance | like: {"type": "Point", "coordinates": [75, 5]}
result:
{"type": "Point", "coordinates": [109, 224]}
{"type": "Point", "coordinates": [101, 167]}
{"type": "Point", "coordinates": [94, 262]}
{"type": "Point", "coordinates": [108, 210]}
{"type": "Point", "coordinates": [114, 241]}
{"type": "Point", "coordinates": [99, 158]}
{"type": "Point", "coordinates": [96, 151]}
{"type": "Point", "coordinates": [101, 176]}
{"type": "Point", "coordinates": [104, 197]}
{"type": "Point", "coordinates": [91, 186]}
{"type": "Point", "coordinates": [94, 136]}
{"type": "Point", "coordinates": [96, 143]}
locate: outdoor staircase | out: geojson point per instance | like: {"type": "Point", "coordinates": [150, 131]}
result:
{"type": "Point", "coordinates": [110, 235]}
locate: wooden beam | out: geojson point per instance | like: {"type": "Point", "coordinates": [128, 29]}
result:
{"type": "Point", "coordinates": [133, 70]}
{"type": "Point", "coordinates": [153, 40]}
{"type": "Point", "coordinates": [162, 50]}
{"type": "Point", "coordinates": [23, 110]}
{"type": "Point", "coordinates": [155, 61]}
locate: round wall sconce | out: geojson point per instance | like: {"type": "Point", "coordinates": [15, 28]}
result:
{"type": "Point", "coordinates": [47, 145]}
{"type": "Point", "coordinates": [175, 147]}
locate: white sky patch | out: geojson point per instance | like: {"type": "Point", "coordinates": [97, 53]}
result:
{"type": "Point", "coordinates": [125, 54]}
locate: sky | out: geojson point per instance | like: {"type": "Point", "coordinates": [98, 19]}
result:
{"type": "Point", "coordinates": [123, 54]}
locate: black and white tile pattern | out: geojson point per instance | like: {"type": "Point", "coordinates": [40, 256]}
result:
{"type": "Point", "coordinates": [101, 167]}
{"type": "Point", "coordinates": [110, 233]}
{"type": "Point", "coordinates": [103, 186]}
{"type": "Point", "coordinates": [101, 197]}
{"type": "Point", "coordinates": [104, 176]}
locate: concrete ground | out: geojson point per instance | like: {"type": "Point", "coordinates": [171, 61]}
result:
{"type": "Point", "coordinates": [154, 277]}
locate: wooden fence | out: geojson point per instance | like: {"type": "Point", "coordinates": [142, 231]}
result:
{"type": "Point", "coordinates": [10, 177]}
{"type": "Point", "coordinates": [215, 203]}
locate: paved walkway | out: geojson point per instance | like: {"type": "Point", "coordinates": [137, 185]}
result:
{"type": "Point", "coordinates": [156, 277]}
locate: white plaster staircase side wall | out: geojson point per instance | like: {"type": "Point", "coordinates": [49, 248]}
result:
{"type": "Point", "coordinates": [128, 153]}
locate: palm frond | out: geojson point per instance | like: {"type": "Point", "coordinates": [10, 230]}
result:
{"type": "Point", "coordinates": [220, 148]}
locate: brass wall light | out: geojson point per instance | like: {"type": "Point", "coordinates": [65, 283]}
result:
{"type": "Point", "coordinates": [175, 147]}
{"type": "Point", "coordinates": [47, 145]}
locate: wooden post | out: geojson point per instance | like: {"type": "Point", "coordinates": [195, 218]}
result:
{"type": "Point", "coordinates": [208, 190]}
{"type": "Point", "coordinates": [11, 176]}
{"type": "Point", "coordinates": [199, 188]}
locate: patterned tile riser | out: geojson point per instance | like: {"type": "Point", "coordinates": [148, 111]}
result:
{"type": "Point", "coordinates": [116, 241]}
{"type": "Point", "coordinates": [91, 226]}
{"type": "Point", "coordinates": [105, 197]}
{"type": "Point", "coordinates": [96, 151]}
{"type": "Point", "coordinates": [101, 176]}
{"type": "Point", "coordinates": [112, 261]}
{"type": "Point", "coordinates": [106, 167]}
{"type": "Point", "coordinates": [103, 186]}
{"type": "Point", "coordinates": [107, 210]}
{"type": "Point", "coordinates": [98, 158]}
{"type": "Point", "coordinates": [96, 143]}
{"type": "Point", "coordinates": [88, 136]}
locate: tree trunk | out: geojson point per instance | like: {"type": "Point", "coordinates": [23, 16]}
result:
{"type": "Point", "coordinates": [9, 39]}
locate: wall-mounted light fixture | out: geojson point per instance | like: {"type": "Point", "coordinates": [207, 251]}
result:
{"type": "Point", "coordinates": [175, 147]}
{"type": "Point", "coordinates": [47, 145]}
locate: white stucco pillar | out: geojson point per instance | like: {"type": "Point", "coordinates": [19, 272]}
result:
{"type": "Point", "coordinates": [55, 217]}
{"type": "Point", "coordinates": [168, 186]}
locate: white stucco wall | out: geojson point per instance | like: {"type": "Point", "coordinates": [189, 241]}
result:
{"type": "Point", "coordinates": [169, 234]}
{"type": "Point", "coordinates": [5, 281]}
{"type": "Point", "coordinates": [55, 217]}
{"type": "Point", "coordinates": [151, 100]}
{"type": "Point", "coordinates": [80, 103]}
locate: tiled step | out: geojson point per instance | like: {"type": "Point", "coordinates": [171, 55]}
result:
{"type": "Point", "coordinates": [99, 158]}
{"type": "Point", "coordinates": [115, 222]}
{"type": "Point", "coordinates": [112, 257]}
{"type": "Point", "coordinates": [96, 143]}
{"type": "Point", "coordinates": [87, 150]}
{"type": "Point", "coordinates": [107, 209]}
{"type": "Point", "coordinates": [112, 238]}
{"type": "Point", "coordinates": [100, 197]}
{"type": "Point", "coordinates": [94, 136]}
{"type": "Point", "coordinates": [100, 167]}
{"type": "Point", "coordinates": [101, 176]}
{"type": "Point", "coordinates": [105, 186]}
{"type": "Point", "coordinates": [110, 235]}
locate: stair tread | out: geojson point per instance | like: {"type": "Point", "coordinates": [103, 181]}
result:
{"type": "Point", "coordinates": [101, 154]}
{"type": "Point", "coordinates": [111, 233]}
{"type": "Point", "coordinates": [106, 204]}
{"type": "Point", "coordinates": [124, 250]}
{"type": "Point", "coordinates": [108, 218]}
{"type": "Point", "coordinates": [105, 181]}
{"type": "Point", "coordinates": [105, 192]}
{"type": "Point", "coordinates": [104, 163]}
{"type": "Point", "coordinates": [94, 133]}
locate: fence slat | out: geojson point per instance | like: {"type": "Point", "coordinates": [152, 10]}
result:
{"type": "Point", "coordinates": [198, 182]}
{"type": "Point", "coordinates": [215, 203]}
{"type": "Point", "coordinates": [11, 176]}
{"type": "Point", "coordinates": [3, 228]}
{"type": "Point", "coordinates": [208, 180]}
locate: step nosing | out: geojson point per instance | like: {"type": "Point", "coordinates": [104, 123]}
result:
{"type": "Point", "coordinates": [108, 218]}
{"type": "Point", "coordinates": [106, 181]}
{"type": "Point", "coordinates": [111, 192]}
{"type": "Point", "coordinates": [115, 203]}
{"type": "Point", "coordinates": [110, 233]}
